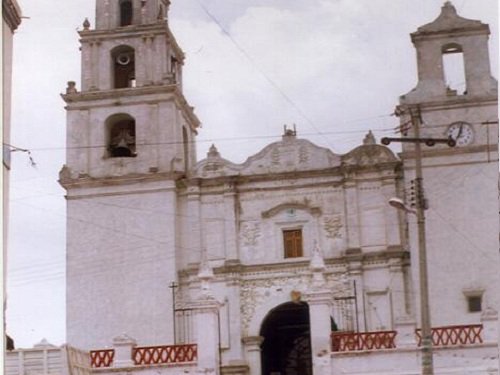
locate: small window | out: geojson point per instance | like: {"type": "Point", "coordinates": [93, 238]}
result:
{"type": "Point", "coordinates": [474, 303]}
{"type": "Point", "coordinates": [126, 12]}
{"type": "Point", "coordinates": [292, 241]}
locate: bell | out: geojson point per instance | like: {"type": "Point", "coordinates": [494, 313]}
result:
{"type": "Point", "coordinates": [121, 149]}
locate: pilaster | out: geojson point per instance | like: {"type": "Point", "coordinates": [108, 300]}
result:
{"type": "Point", "coordinates": [489, 318]}
{"type": "Point", "coordinates": [252, 350]}
{"type": "Point", "coordinates": [397, 288]}
{"type": "Point", "coordinates": [352, 214]}
{"type": "Point", "coordinates": [230, 207]}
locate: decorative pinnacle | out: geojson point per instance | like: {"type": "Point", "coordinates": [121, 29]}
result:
{"type": "Point", "coordinates": [86, 24]}
{"type": "Point", "coordinates": [213, 152]}
{"type": "Point", "coordinates": [369, 139]}
{"type": "Point", "coordinates": [448, 7]}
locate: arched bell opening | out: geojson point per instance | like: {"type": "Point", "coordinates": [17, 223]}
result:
{"type": "Point", "coordinates": [126, 12]}
{"type": "Point", "coordinates": [121, 136]}
{"type": "Point", "coordinates": [286, 349]}
{"type": "Point", "coordinates": [123, 64]}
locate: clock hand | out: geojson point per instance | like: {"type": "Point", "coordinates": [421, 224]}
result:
{"type": "Point", "coordinates": [459, 132]}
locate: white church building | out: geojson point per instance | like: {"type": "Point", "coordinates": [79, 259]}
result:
{"type": "Point", "coordinates": [291, 263]}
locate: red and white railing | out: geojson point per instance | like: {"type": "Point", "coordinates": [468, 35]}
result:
{"type": "Point", "coordinates": [352, 341]}
{"type": "Point", "coordinates": [101, 358]}
{"type": "Point", "coordinates": [148, 355]}
{"type": "Point", "coordinates": [454, 335]}
{"type": "Point", "coordinates": [165, 354]}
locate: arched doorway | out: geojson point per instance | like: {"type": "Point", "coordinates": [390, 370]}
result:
{"type": "Point", "coordinates": [286, 349]}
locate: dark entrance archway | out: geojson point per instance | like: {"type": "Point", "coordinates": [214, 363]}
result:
{"type": "Point", "coordinates": [286, 349]}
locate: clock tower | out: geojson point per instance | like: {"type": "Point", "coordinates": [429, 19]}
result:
{"type": "Point", "coordinates": [460, 183]}
{"type": "Point", "coordinates": [130, 136]}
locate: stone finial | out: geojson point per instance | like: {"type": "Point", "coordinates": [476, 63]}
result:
{"type": "Point", "coordinates": [86, 24]}
{"type": "Point", "coordinates": [71, 88]}
{"type": "Point", "coordinates": [206, 275]}
{"type": "Point", "coordinates": [449, 8]}
{"type": "Point", "coordinates": [213, 152]}
{"type": "Point", "coordinates": [369, 139]}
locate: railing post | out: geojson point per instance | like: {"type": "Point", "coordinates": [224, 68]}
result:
{"type": "Point", "coordinates": [405, 328]}
{"type": "Point", "coordinates": [123, 346]}
{"type": "Point", "coordinates": [489, 318]}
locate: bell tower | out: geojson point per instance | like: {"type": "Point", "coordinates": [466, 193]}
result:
{"type": "Point", "coordinates": [460, 183]}
{"type": "Point", "coordinates": [130, 136]}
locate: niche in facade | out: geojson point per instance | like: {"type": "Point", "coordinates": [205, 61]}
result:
{"type": "Point", "coordinates": [123, 60]}
{"type": "Point", "coordinates": [454, 71]}
{"type": "Point", "coordinates": [121, 136]}
{"type": "Point", "coordinates": [126, 12]}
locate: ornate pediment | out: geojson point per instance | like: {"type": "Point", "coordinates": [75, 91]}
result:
{"type": "Point", "coordinates": [288, 155]}
{"type": "Point", "coordinates": [369, 155]}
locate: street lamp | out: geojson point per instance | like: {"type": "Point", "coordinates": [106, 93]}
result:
{"type": "Point", "coordinates": [400, 205]}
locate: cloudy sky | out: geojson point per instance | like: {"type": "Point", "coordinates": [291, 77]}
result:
{"type": "Point", "coordinates": [335, 68]}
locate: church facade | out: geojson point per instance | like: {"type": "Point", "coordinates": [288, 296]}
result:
{"type": "Point", "coordinates": [292, 262]}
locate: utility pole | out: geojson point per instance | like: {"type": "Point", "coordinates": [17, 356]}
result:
{"type": "Point", "coordinates": [421, 206]}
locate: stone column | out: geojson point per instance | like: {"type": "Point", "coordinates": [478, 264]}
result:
{"type": "Point", "coordinates": [123, 346]}
{"type": "Point", "coordinates": [207, 334]}
{"type": "Point", "coordinates": [252, 352]}
{"type": "Point", "coordinates": [320, 307]}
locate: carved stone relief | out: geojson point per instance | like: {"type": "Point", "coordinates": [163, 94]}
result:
{"type": "Point", "coordinates": [250, 233]}
{"type": "Point", "coordinates": [254, 293]}
{"type": "Point", "coordinates": [333, 226]}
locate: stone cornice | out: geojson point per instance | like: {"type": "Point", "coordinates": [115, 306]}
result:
{"type": "Point", "coordinates": [133, 31]}
{"type": "Point", "coordinates": [446, 151]}
{"type": "Point", "coordinates": [337, 176]}
{"type": "Point", "coordinates": [82, 100]}
{"type": "Point", "coordinates": [392, 252]}
{"type": "Point", "coordinates": [11, 13]}
{"type": "Point", "coordinates": [91, 182]}
{"type": "Point", "coordinates": [116, 94]}
{"type": "Point", "coordinates": [451, 102]}
{"type": "Point", "coordinates": [456, 32]}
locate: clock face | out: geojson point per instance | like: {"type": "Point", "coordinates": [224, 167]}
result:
{"type": "Point", "coordinates": [461, 132]}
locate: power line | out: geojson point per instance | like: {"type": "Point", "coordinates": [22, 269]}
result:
{"type": "Point", "coordinates": [260, 70]}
